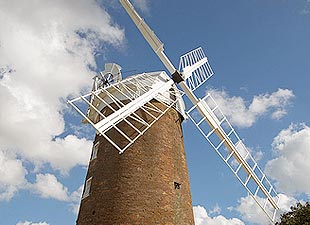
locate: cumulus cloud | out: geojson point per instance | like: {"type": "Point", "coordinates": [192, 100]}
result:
{"type": "Point", "coordinates": [47, 186]}
{"type": "Point", "coordinates": [31, 223]}
{"type": "Point", "coordinates": [289, 168]}
{"type": "Point", "coordinates": [306, 8]}
{"type": "Point", "coordinates": [242, 114]}
{"type": "Point", "coordinates": [65, 153]}
{"type": "Point", "coordinates": [12, 176]}
{"type": "Point", "coordinates": [216, 210]}
{"type": "Point", "coordinates": [46, 49]}
{"type": "Point", "coordinates": [251, 212]}
{"type": "Point", "coordinates": [75, 200]}
{"type": "Point", "coordinates": [142, 4]}
{"type": "Point", "coordinates": [202, 218]}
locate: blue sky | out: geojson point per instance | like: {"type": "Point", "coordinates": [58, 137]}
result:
{"type": "Point", "coordinates": [49, 51]}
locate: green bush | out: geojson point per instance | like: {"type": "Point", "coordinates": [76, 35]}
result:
{"type": "Point", "coordinates": [299, 215]}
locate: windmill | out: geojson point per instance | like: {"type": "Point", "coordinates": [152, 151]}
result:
{"type": "Point", "coordinates": [124, 111]}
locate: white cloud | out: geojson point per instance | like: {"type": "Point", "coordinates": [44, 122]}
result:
{"type": "Point", "coordinates": [216, 210]}
{"type": "Point", "coordinates": [47, 48]}
{"type": "Point", "coordinates": [285, 203]}
{"type": "Point", "coordinates": [287, 169]}
{"type": "Point", "coordinates": [258, 155]}
{"type": "Point", "coordinates": [252, 213]}
{"type": "Point", "coordinates": [12, 176]}
{"type": "Point", "coordinates": [47, 186]}
{"type": "Point", "coordinates": [202, 218]}
{"type": "Point", "coordinates": [290, 167]}
{"type": "Point", "coordinates": [31, 223]}
{"type": "Point", "coordinates": [75, 200]}
{"type": "Point", "coordinates": [306, 9]}
{"type": "Point", "coordinates": [242, 114]}
{"type": "Point", "coordinates": [142, 4]}
{"type": "Point", "coordinates": [65, 153]}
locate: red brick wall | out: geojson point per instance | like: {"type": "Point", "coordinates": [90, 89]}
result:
{"type": "Point", "coordinates": [137, 187]}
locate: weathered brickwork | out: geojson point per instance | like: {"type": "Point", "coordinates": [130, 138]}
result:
{"type": "Point", "coordinates": [147, 184]}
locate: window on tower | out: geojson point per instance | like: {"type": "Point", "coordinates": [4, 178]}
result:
{"type": "Point", "coordinates": [177, 185]}
{"type": "Point", "coordinates": [94, 151]}
{"type": "Point", "coordinates": [87, 188]}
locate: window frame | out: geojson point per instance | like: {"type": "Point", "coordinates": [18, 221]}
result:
{"type": "Point", "coordinates": [94, 152]}
{"type": "Point", "coordinates": [87, 187]}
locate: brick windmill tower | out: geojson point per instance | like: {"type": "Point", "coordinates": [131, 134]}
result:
{"type": "Point", "coordinates": [137, 172]}
{"type": "Point", "coordinates": [147, 184]}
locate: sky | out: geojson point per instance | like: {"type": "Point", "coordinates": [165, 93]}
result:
{"type": "Point", "coordinates": [50, 50]}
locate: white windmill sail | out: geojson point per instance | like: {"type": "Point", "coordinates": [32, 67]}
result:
{"type": "Point", "coordinates": [123, 111]}
{"type": "Point", "coordinates": [196, 68]}
{"type": "Point", "coordinates": [148, 34]}
{"type": "Point", "coordinates": [217, 130]}
{"type": "Point", "coordinates": [219, 133]}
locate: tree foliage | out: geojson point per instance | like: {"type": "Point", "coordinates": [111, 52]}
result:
{"type": "Point", "coordinates": [299, 215]}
